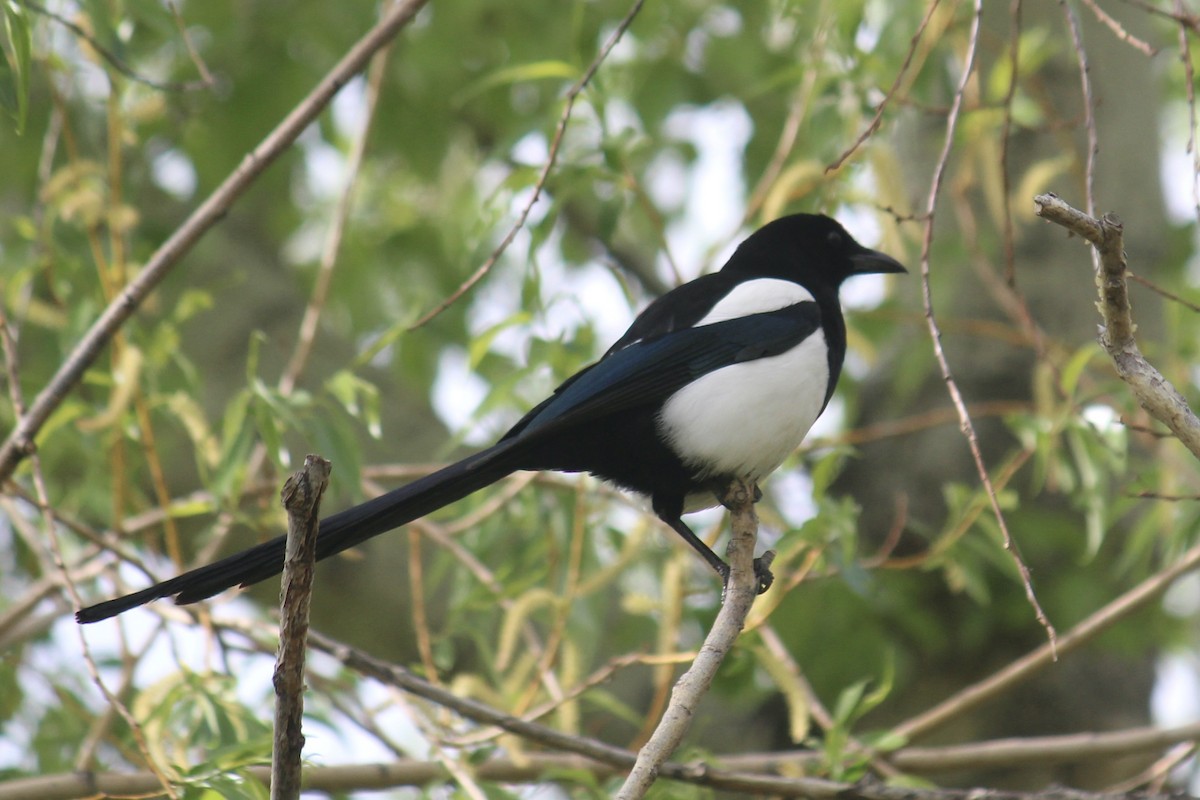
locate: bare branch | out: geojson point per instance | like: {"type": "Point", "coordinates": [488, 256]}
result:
{"type": "Point", "coordinates": [1154, 392]}
{"type": "Point", "coordinates": [935, 334]}
{"type": "Point", "coordinates": [1089, 103]}
{"type": "Point", "coordinates": [1070, 748]}
{"type": "Point", "coordinates": [1161, 292]}
{"type": "Point", "coordinates": [302, 500]}
{"type": "Point", "coordinates": [1023, 668]}
{"type": "Point", "coordinates": [539, 767]}
{"type": "Point", "coordinates": [1119, 30]}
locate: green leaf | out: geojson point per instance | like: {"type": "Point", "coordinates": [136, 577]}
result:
{"type": "Point", "coordinates": [359, 397]}
{"type": "Point", "coordinates": [482, 344]}
{"type": "Point", "coordinates": [267, 427]}
{"type": "Point", "coordinates": [848, 701]}
{"type": "Point", "coordinates": [237, 439]}
{"type": "Point", "coordinates": [14, 77]}
{"type": "Point", "coordinates": [520, 73]}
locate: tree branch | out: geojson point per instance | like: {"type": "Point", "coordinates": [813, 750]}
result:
{"type": "Point", "coordinates": [302, 499]}
{"type": "Point", "coordinates": [529, 768]}
{"type": "Point", "coordinates": [1154, 392]}
{"type": "Point", "coordinates": [740, 592]}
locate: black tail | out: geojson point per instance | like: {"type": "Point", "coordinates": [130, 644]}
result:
{"type": "Point", "coordinates": [338, 532]}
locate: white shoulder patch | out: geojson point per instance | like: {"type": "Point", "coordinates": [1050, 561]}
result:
{"type": "Point", "coordinates": [756, 296]}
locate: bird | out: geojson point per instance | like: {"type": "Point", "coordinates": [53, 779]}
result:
{"type": "Point", "coordinates": [719, 378]}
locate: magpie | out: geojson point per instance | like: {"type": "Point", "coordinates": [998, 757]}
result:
{"type": "Point", "coordinates": [720, 378]}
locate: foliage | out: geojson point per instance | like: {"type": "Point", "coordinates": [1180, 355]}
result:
{"type": "Point", "coordinates": [552, 593]}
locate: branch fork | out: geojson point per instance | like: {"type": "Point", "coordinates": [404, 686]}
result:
{"type": "Point", "coordinates": [1154, 392]}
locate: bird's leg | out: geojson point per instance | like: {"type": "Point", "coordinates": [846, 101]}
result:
{"type": "Point", "coordinates": [724, 490]}
{"type": "Point", "coordinates": [670, 513]}
{"type": "Point", "coordinates": [673, 519]}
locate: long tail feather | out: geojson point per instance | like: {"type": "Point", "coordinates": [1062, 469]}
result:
{"type": "Point", "coordinates": [337, 533]}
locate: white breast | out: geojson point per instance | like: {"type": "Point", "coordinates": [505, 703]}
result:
{"type": "Point", "coordinates": [745, 419]}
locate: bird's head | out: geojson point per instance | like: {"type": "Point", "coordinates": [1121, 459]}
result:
{"type": "Point", "coordinates": [810, 249]}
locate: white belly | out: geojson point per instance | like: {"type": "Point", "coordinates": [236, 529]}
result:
{"type": "Point", "coordinates": [745, 419]}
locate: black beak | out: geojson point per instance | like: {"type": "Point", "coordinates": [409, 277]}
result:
{"type": "Point", "coordinates": [866, 262]}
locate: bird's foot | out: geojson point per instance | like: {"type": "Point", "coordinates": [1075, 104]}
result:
{"type": "Point", "coordinates": [762, 573]}
{"type": "Point", "coordinates": [762, 570]}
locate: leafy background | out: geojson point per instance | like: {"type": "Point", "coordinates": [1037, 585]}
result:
{"type": "Point", "coordinates": [705, 121]}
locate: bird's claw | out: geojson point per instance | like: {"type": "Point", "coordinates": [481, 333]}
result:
{"type": "Point", "coordinates": [762, 573]}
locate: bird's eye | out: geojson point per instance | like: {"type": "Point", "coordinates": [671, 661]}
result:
{"type": "Point", "coordinates": [834, 238]}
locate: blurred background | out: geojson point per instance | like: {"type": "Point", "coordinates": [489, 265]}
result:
{"type": "Point", "coordinates": [705, 121]}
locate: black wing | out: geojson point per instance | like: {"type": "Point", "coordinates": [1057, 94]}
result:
{"type": "Point", "coordinates": [649, 371]}
{"type": "Point", "coordinates": [679, 308]}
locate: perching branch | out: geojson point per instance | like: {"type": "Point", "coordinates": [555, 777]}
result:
{"type": "Point", "coordinates": [20, 442]}
{"type": "Point", "coordinates": [740, 592]}
{"type": "Point", "coordinates": [302, 500]}
{"type": "Point", "coordinates": [1153, 392]}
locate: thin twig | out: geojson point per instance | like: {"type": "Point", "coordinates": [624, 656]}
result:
{"type": "Point", "coordinates": [572, 94]}
{"type": "Point", "coordinates": [601, 676]}
{"type": "Point", "coordinates": [1023, 668]}
{"type": "Point", "coordinates": [1181, 15]}
{"type": "Point", "coordinates": [875, 122]}
{"type": "Point", "coordinates": [20, 442]}
{"type": "Point", "coordinates": [1014, 78]}
{"type": "Point", "coordinates": [115, 61]}
{"type": "Point", "coordinates": [1070, 748]}
{"type": "Point", "coordinates": [794, 676]}
{"type": "Point", "coordinates": [1008, 292]}
{"type": "Point", "coordinates": [1089, 104]}
{"type": "Point", "coordinates": [416, 593]}
{"type": "Point", "coordinates": [1188, 22]}
{"type": "Point", "coordinates": [1158, 773]}
{"type": "Point", "coordinates": [205, 75]}
{"type": "Point", "coordinates": [797, 111]}
{"type": "Point", "coordinates": [1154, 287]}
{"type": "Point", "coordinates": [1119, 31]}
{"type": "Point", "coordinates": [915, 423]}
{"type": "Point", "coordinates": [113, 699]}
{"type": "Point", "coordinates": [1169, 498]}
{"type": "Point", "coordinates": [935, 334]}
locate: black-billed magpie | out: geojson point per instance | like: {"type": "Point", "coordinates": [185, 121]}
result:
{"type": "Point", "coordinates": [720, 378]}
